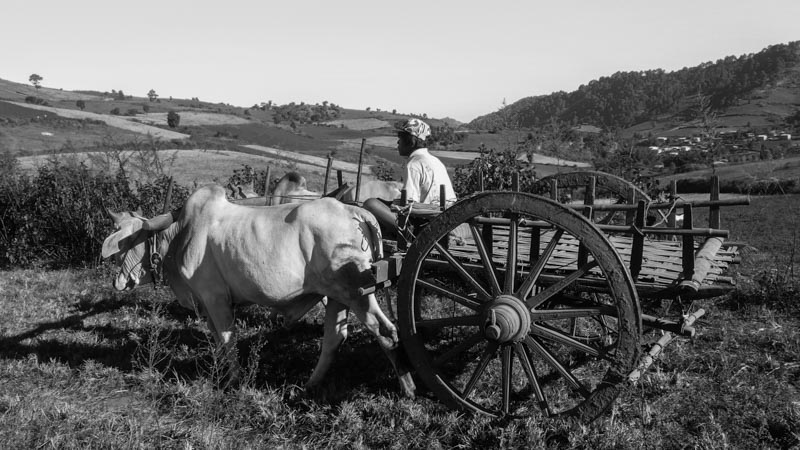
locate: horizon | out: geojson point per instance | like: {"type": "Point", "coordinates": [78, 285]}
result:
{"type": "Point", "coordinates": [448, 59]}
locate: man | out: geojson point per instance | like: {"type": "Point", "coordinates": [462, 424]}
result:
{"type": "Point", "coordinates": [424, 173]}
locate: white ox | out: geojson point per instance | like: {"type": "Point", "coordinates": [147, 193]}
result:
{"type": "Point", "coordinates": [384, 190]}
{"type": "Point", "coordinates": [291, 188]}
{"type": "Point", "coordinates": [286, 257]}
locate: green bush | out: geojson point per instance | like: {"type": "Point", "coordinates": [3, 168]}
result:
{"type": "Point", "coordinates": [173, 119]}
{"type": "Point", "coordinates": [497, 169]}
{"type": "Point", "coordinates": [36, 100]}
{"type": "Point", "coordinates": [57, 217]}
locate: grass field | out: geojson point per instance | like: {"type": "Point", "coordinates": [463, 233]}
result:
{"type": "Point", "coordinates": [776, 169]}
{"type": "Point", "coordinates": [83, 366]}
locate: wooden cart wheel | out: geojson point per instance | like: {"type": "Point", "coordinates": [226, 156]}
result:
{"type": "Point", "coordinates": [607, 186]}
{"type": "Point", "coordinates": [491, 332]}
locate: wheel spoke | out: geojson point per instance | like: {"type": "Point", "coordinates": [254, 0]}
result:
{"type": "Point", "coordinates": [458, 298]}
{"type": "Point", "coordinates": [541, 297]}
{"type": "Point", "coordinates": [506, 371]}
{"type": "Point", "coordinates": [554, 335]}
{"type": "Point", "coordinates": [530, 371]}
{"type": "Point", "coordinates": [462, 271]}
{"type": "Point", "coordinates": [462, 347]}
{"type": "Point", "coordinates": [567, 313]}
{"type": "Point", "coordinates": [553, 362]}
{"type": "Point", "coordinates": [488, 264]}
{"type": "Point", "coordinates": [460, 321]}
{"type": "Point", "coordinates": [537, 268]}
{"type": "Point", "coordinates": [488, 354]}
{"type": "Point", "coordinates": [511, 256]}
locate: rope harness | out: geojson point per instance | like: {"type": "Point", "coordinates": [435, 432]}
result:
{"type": "Point", "coordinates": [156, 261]}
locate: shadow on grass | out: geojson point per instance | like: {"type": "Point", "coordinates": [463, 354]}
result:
{"type": "Point", "coordinates": [287, 355]}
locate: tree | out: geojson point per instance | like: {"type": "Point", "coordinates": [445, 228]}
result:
{"type": "Point", "coordinates": [152, 95]}
{"type": "Point", "coordinates": [120, 95]}
{"type": "Point", "coordinates": [173, 119]}
{"type": "Point", "coordinates": [80, 104]}
{"type": "Point", "coordinates": [36, 80]}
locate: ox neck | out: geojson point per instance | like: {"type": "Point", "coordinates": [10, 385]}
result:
{"type": "Point", "coordinates": [165, 237]}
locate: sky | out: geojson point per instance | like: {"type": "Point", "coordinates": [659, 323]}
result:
{"type": "Point", "coordinates": [444, 58]}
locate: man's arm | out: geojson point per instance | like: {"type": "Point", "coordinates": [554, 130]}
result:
{"type": "Point", "coordinates": [413, 176]}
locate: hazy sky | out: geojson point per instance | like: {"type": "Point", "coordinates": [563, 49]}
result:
{"type": "Point", "coordinates": [456, 58]}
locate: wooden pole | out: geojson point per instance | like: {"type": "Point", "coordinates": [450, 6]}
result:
{"type": "Point", "coordinates": [637, 246]}
{"type": "Point", "coordinates": [360, 166]}
{"type": "Point", "coordinates": [688, 243]}
{"type": "Point", "coordinates": [673, 197]}
{"type": "Point", "coordinates": [339, 179]}
{"type": "Point", "coordinates": [266, 185]}
{"type": "Point", "coordinates": [589, 196]}
{"type": "Point", "coordinates": [713, 211]}
{"type": "Point", "coordinates": [168, 198]}
{"type": "Point", "coordinates": [327, 175]}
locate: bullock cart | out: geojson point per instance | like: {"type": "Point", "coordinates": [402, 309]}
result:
{"type": "Point", "coordinates": [510, 303]}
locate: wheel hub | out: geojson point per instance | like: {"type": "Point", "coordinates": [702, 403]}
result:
{"type": "Point", "coordinates": [506, 320]}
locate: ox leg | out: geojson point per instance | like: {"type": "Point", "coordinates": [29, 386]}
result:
{"type": "Point", "coordinates": [371, 315]}
{"type": "Point", "coordinates": [220, 323]}
{"type": "Point", "coordinates": [334, 334]}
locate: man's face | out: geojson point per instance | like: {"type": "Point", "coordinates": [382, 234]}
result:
{"type": "Point", "coordinates": [404, 144]}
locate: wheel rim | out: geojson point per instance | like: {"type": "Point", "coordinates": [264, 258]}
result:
{"type": "Point", "coordinates": [495, 334]}
{"type": "Point", "coordinates": [606, 184]}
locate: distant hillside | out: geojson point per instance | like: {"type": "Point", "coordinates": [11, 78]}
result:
{"type": "Point", "coordinates": [761, 89]}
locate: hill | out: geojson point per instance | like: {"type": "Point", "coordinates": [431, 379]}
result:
{"type": "Point", "coordinates": [748, 91]}
{"type": "Point", "coordinates": [40, 122]}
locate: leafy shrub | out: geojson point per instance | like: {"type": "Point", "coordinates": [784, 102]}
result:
{"type": "Point", "coordinates": [36, 100]}
{"type": "Point", "coordinates": [773, 288]}
{"type": "Point", "coordinates": [497, 168]}
{"type": "Point", "coordinates": [173, 119]}
{"type": "Point", "coordinates": [114, 112]}
{"type": "Point", "coordinates": [81, 104]}
{"type": "Point", "coordinates": [249, 176]}
{"type": "Point", "coordinates": [56, 218]}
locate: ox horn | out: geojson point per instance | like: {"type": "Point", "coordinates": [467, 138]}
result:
{"type": "Point", "coordinates": [158, 223]}
{"type": "Point", "coordinates": [116, 217]}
